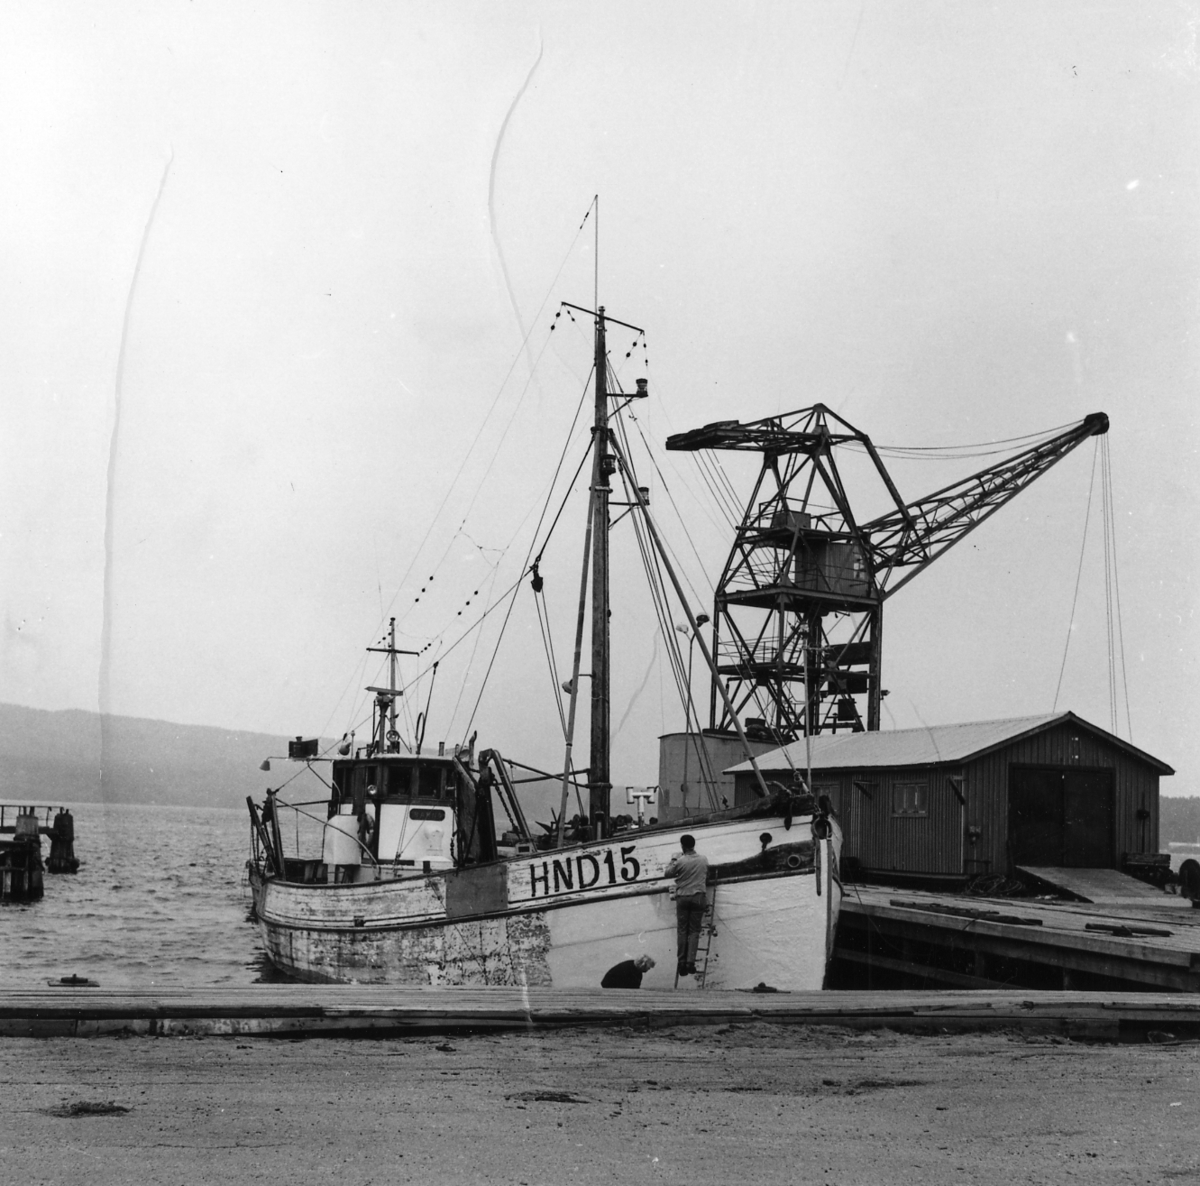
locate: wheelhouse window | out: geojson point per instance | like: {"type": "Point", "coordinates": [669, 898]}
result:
{"type": "Point", "coordinates": [431, 782]}
{"type": "Point", "coordinates": [365, 777]}
{"type": "Point", "coordinates": [910, 799]}
{"type": "Point", "coordinates": [340, 782]}
{"type": "Point", "coordinates": [399, 781]}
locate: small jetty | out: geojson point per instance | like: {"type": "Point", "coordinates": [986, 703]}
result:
{"type": "Point", "coordinates": [294, 1010]}
{"type": "Point", "coordinates": [1133, 938]}
{"type": "Point", "coordinates": [21, 864]}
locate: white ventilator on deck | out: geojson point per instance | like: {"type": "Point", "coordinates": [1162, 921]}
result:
{"type": "Point", "coordinates": [341, 845]}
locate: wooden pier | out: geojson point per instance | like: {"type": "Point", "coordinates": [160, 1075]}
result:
{"type": "Point", "coordinates": [21, 865]}
{"type": "Point", "coordinates": [891, 938]}
{"type": "Point", "coordinates": [274, 1010]}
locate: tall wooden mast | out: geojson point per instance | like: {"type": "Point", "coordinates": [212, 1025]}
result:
{"type": "Point", "coordinates": [604, 465]}
{"type": "Point", "coordinates": [599, 778]}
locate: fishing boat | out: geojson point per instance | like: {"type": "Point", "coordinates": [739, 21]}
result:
{"type": "Point", "coordinates": [427, 871]}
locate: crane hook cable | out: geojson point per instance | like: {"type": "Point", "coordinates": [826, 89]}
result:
{"type": "Point", "coordinates": [1078, 578]}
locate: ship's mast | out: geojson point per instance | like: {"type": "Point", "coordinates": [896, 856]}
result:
{"type": "Point", "coordinates": [599, 779]}
{"type": "Point", "coordinates": [388, 741]}
{"type": "Point", "coordinates": [606, 457]}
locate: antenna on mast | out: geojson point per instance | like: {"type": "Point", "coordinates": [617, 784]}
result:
{"type": "Point", "coordinates": [386, 697]}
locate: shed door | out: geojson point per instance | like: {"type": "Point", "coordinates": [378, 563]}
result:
{"type": "Point", "coordinates": [1061, 818]}
{"type": "Point", "coordinates": [1088, 812]}
{"type": "Point", "coordinates": [1035, 817]}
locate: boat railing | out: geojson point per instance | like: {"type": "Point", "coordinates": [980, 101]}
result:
{"type": "Point", "coordinates": [298, 813]}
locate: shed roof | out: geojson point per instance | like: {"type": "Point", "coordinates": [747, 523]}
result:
{"type": "Point", "coordinates": [932, 745]}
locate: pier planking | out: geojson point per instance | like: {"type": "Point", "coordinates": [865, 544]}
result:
{"type": "Point", "coordinates": [915, 939]}
{"type": "Point", "coordinates": [370, 1010]}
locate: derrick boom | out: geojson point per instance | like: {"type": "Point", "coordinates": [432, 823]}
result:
{"type": "Point", "coordinates": [913, 539]}
{"type": "Point", "coordinates": [798, 612]}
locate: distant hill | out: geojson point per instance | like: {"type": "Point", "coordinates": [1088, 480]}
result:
{"type": "Point", "coordinates": [75, 756]}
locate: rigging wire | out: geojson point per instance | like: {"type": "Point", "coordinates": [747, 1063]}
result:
{"type": "Point", "coordinates": [1078, 577]}
{"type": "Point", "coordinates": [1117, 586]}
{"type": "Point", "coordinates": [648, 551]}
{"type": "Point", "coordinates": [495, 651]}
{"type": "Point", "coordinates": [1116, 673]}
{"type": "Point", "coordinates": [650, 563]}
{"type": "Point", "coordinates": [527, 566]}
{"type": "Point", "coordinates": [704, 463]}
{"type": "Point", "coordinates": [958, 452]}
{"type": "Point", "coordinates": [562, 506]}
{"type": "Point", "coordinates": [705, 501]}
{"type": "Point", "coordinates": [355, 678]}
{"type": "Point", "coordinates": [496, 604]}
{"type": "Point", "coordinates": [732, 500]}
{"type": "Point", "coordinates": [1108, 599]}
{"type": "Point", "coordinates": [543, 616]}
{"type": "Point", "coordinates": [660, 600]}
{"type": "Point", "coordinates": [674, 506]}
{"type": "Point", "coordinates": [486, 473]}
{"type": "Point", "coordinates": [703, 496]}
{"type": "Point", "coordinates": [467, 674]}
{"type": "Point", "coordinates": [484, 422]}
{"type": "Point", "coordinates": [442, 653]}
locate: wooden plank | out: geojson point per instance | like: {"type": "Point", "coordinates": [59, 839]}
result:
{"type": "Point", "coordinates": [1102, 886]}
{"type": "Point", "coordinates": [910, 967]}
{"type": "Point", "coordinates": [1047, 935]}
{"type": "Point", "coordinates": [1032, 946]}
{"type": "Point", "coordinates": [384, 1009]}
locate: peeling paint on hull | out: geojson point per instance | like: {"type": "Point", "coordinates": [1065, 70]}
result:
{"type": "Point", "coordinates": [776, 928]}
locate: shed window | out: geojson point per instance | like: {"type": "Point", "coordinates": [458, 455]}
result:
{"type": "Point", "coordinates": [910, 798]}
{"type": "Point", "coordinates": [830, 790]}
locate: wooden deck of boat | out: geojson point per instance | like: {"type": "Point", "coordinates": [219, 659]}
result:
{"type": "Point", "coordinates": [955, 941]}
{"type": "Point", "coordinates": [288, 1010]}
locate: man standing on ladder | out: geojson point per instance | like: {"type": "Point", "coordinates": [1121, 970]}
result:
{"type": "Point", "coordinates": [690, 871]}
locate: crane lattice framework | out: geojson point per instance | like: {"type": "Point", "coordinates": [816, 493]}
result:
{"type": "Point", "coordinates": [799, 608]}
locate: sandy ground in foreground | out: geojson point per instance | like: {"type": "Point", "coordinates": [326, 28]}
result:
{"type": "Point", "coordinates": [744, 1104]}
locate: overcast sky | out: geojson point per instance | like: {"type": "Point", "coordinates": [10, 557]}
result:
{"type": "Point", "coordinates": [277, 293]}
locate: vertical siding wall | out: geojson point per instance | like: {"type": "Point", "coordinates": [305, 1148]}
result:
{"type": "Point", "coordinates": [938, 842]}
{"type": "Point", "coordinates": [882, 840]}
{"type": "Point", "coordinates": [1135, 786]}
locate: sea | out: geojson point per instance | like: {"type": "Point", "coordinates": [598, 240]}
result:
{"type": "Point", "coordinates": [160, 899]}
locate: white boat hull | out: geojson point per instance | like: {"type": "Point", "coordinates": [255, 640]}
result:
{"type": "Point", "coordinates": [563, 918]}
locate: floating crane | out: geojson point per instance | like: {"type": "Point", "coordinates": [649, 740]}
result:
{"type": "Point", "coordinates": [798, 613]}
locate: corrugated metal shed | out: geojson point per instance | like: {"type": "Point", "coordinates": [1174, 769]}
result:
{"type": "Point", "coordinates": [933, 745]}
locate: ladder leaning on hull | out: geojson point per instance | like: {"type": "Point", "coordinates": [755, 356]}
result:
{"type": "Point", "coordinates": [708, 932]}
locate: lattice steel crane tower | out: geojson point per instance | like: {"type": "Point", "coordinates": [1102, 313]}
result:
{"type": "Point", "coordinates": [798, 611]}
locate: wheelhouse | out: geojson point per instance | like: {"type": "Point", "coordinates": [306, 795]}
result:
{"type": "Point", "coordinates": [396, 814]}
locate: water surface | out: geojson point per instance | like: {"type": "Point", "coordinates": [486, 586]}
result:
{"type": "Point", "coordinates": [161, 898]}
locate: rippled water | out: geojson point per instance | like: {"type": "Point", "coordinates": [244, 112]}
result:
{"type": "Point", "coordinates": [161, 898]}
